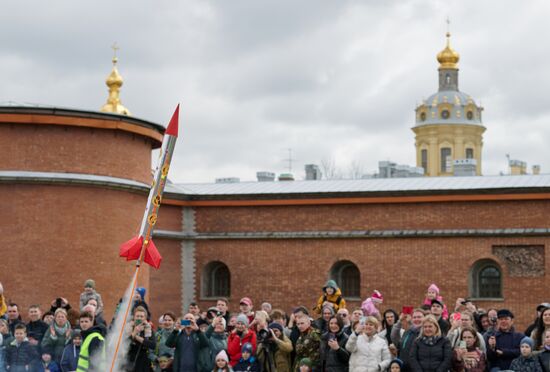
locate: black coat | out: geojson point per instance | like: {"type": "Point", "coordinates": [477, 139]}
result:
{"type": "Point", "coordinates": [426, 357]}
{"type": "Point", "coordinates": [508, 343]}
{"type": "Point", "coordinates": [405, 345]}
{"type": "Point", "coordinates": [544, 359]}
{"type": "Point", "coordinates": [23, 355]}
{"type": "Point", "coordinates": [335, 360]}
{"type": "Point", "coordinates": [247, 366]}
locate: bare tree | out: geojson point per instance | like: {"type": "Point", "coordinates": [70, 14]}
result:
{"type": "Point", "coordinates": [356, 170]}
{"type": "Point", "coordinates": [330, 169]}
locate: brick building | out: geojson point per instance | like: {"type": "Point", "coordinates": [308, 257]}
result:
{"type": "Point", "coordinates": [74, 185]}
{"type": "Point", "coordinates": [485, 238]}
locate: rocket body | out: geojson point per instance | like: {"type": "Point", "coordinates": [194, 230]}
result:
{"type": "Point", "coordinates": [142, 246]}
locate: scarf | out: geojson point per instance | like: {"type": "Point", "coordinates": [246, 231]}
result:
{"type": "Point", "coordinates": [430, 340]}
{"type": "Point", "coordinates": [3, 306]}
{"type": "Point", "coordinates": [60, 331]}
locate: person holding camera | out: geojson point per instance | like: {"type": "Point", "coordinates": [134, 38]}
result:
{"type": "Point", "coordinates": [217, 341]}
{"type": "Point", "coordinates": [503, 346]}
{"type": "Point", "coordinates": [368, 351]}
{"type": "Point", "coordinates": [141, 342]}
{"type": "Point", "coordinates": [334, 356]}
{"type": "Point", "coordinates": [467, 355]}
{"type": "Point", "coordinates": [274, 349]}
{"type": "Point", "coordinates": [238, 337]}
{"type": "Point", "coordinates": [187, 339]}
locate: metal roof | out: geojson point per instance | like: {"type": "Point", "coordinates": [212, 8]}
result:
{"type": "Point", "coordinates": [421, 184]}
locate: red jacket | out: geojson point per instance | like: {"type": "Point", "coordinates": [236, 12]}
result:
{"type": "Point", "coordinates": [235, 343]}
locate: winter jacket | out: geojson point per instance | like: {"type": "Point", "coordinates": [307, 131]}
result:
{"type": "Point", "coordinates": [38, 329]}
{"type": "Point", "coordinates": [20, 355]}
{"type": "Point", "coordinates": [336, 299]}
{"type": "Point", "coordinates": [335, 360]}
{"type": "Point", "coordinates": [175, 340]}
{"type": "Point", "coordinates": [508, 343]}
{"type": "Point", "coordinates": [247, 365]}
{"type": "Point", "coordinates": [281, 356]}
{"type": "Point", "coordinates": [138, 354]}
{"type": "Point", "coordinates": [431, 354]}
{"type": "Point", "coordinates": [368, 354]}
{"type": "Point", "coordinates": [403, 342]}
{"type": "Point", "coordinates": [55, 343]}
{"type": "Point", "coordinates": [522, 364]}
{"type": "Point", "coordinates": [234, 344]}
{"type": "Point", "coordinates": [51, 367]}
{"type": "Point", "coordinates": [308, 346]}
{"type": "Point", "coordinates": [216, 343]}
{"type": "Point", "coordinates": [477, 363]}
{"type": "Point", "coordinates": [370, 309]}
{"type": "Point", "coordinates": [160, 344]}
{"type": "Point", "coordinates": [69, 359]}
{"type": "Point", "coordinates": [544, 359]}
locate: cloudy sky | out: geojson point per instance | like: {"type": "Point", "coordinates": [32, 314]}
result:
{"type": "Point", "coordinates": [331, 80]}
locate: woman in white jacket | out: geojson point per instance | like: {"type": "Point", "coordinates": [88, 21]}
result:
{"type": "Point", "coordinates": [369, 352]}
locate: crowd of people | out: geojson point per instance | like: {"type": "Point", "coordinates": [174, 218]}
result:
{"type": "Point", "coordinates": [432, 337]}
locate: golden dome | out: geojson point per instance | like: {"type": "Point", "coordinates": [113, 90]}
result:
{"type": "Point", "coordinates": [448, 57]}
{"type": "Point", "coordinates": [114, 82]}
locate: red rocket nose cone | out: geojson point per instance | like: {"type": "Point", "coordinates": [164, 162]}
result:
{"type": "Point", "coordinates": [173, 125]}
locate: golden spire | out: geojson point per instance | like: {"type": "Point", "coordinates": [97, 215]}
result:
{"type": "Point", "coordinates": [448, 57]}
{"type": "Point", "coordinates": [114, 82]}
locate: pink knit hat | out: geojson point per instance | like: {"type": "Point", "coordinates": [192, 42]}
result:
{"type": "Point", "coordinates": [222, 355]}
{"type": "Point", "coordinates": [434, 288]}
{"type": "Point", "coordinates": [377, 297]}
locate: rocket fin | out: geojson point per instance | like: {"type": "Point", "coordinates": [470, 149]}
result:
{"type": "Point", "coordinates": [132, 248]}
{"type": "Point", "coordinates": [152, 255]}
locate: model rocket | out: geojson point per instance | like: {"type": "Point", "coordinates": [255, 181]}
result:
{"type": "Point", "coordinates": [142, 246]}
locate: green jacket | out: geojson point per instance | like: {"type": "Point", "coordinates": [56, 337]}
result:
{"type": "Point", "coordinates": [207, 355]}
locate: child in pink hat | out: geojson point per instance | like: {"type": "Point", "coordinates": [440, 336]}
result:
{"type": "Point", "coordinates": [371, 306]}
{"type": "Point", "coordinates": [433, 294]}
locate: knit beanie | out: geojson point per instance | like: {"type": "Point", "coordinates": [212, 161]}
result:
{"type": "Point", "coordinates": [247, 348]}
{"type": "Point", "coordinates": [377, 297]}
{"type": "Point", "coordinates": [90, 283]}
{"type": "Point", "coordinates": [398, 361]}
{"type": "Point", "coordinates": [329, 307]}
{"type": "Point", "coordinates": [276, 326]}
{"type": "Point", "coordinates": [141, 292]}
{"type": "Point", "coordinates": [306, 362]}
{"type": "Point", "coordinates": [243, 319]}
{"type": "Point", "coordinates": [528, 341]}
{"type": "Point", "coordinates": [222, 355]}
{"type": "Point", "coordinates": [434, 288]}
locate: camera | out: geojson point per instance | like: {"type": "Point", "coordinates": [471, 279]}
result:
{"type": "Point", "coordinates": [58, 302]}
{"type": "Point", "coordinates": [264, 335]}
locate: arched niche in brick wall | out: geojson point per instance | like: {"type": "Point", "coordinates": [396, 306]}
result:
{"type": "Point", "coordinates": [485, 280]}
{"type": "Point", "coordinates": [348, 277]}
{"type": "Point", "coordinates": [216, 280]}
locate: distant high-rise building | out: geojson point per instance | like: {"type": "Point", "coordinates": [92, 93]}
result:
{"type": "Point", "coordinates": [313, 172]}
{"type": "Point", "coordinates": [387, 169]}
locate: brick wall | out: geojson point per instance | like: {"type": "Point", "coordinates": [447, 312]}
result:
{"type": "Point", "coordinates": [292, 272]}
{"type": "Point", "coordinates": [55, 148]}
{"type": "Point", "coordinates": [56, 237]}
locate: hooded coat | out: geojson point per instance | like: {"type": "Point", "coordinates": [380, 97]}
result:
{"type": "Point", "coordinates": [335, 299]}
